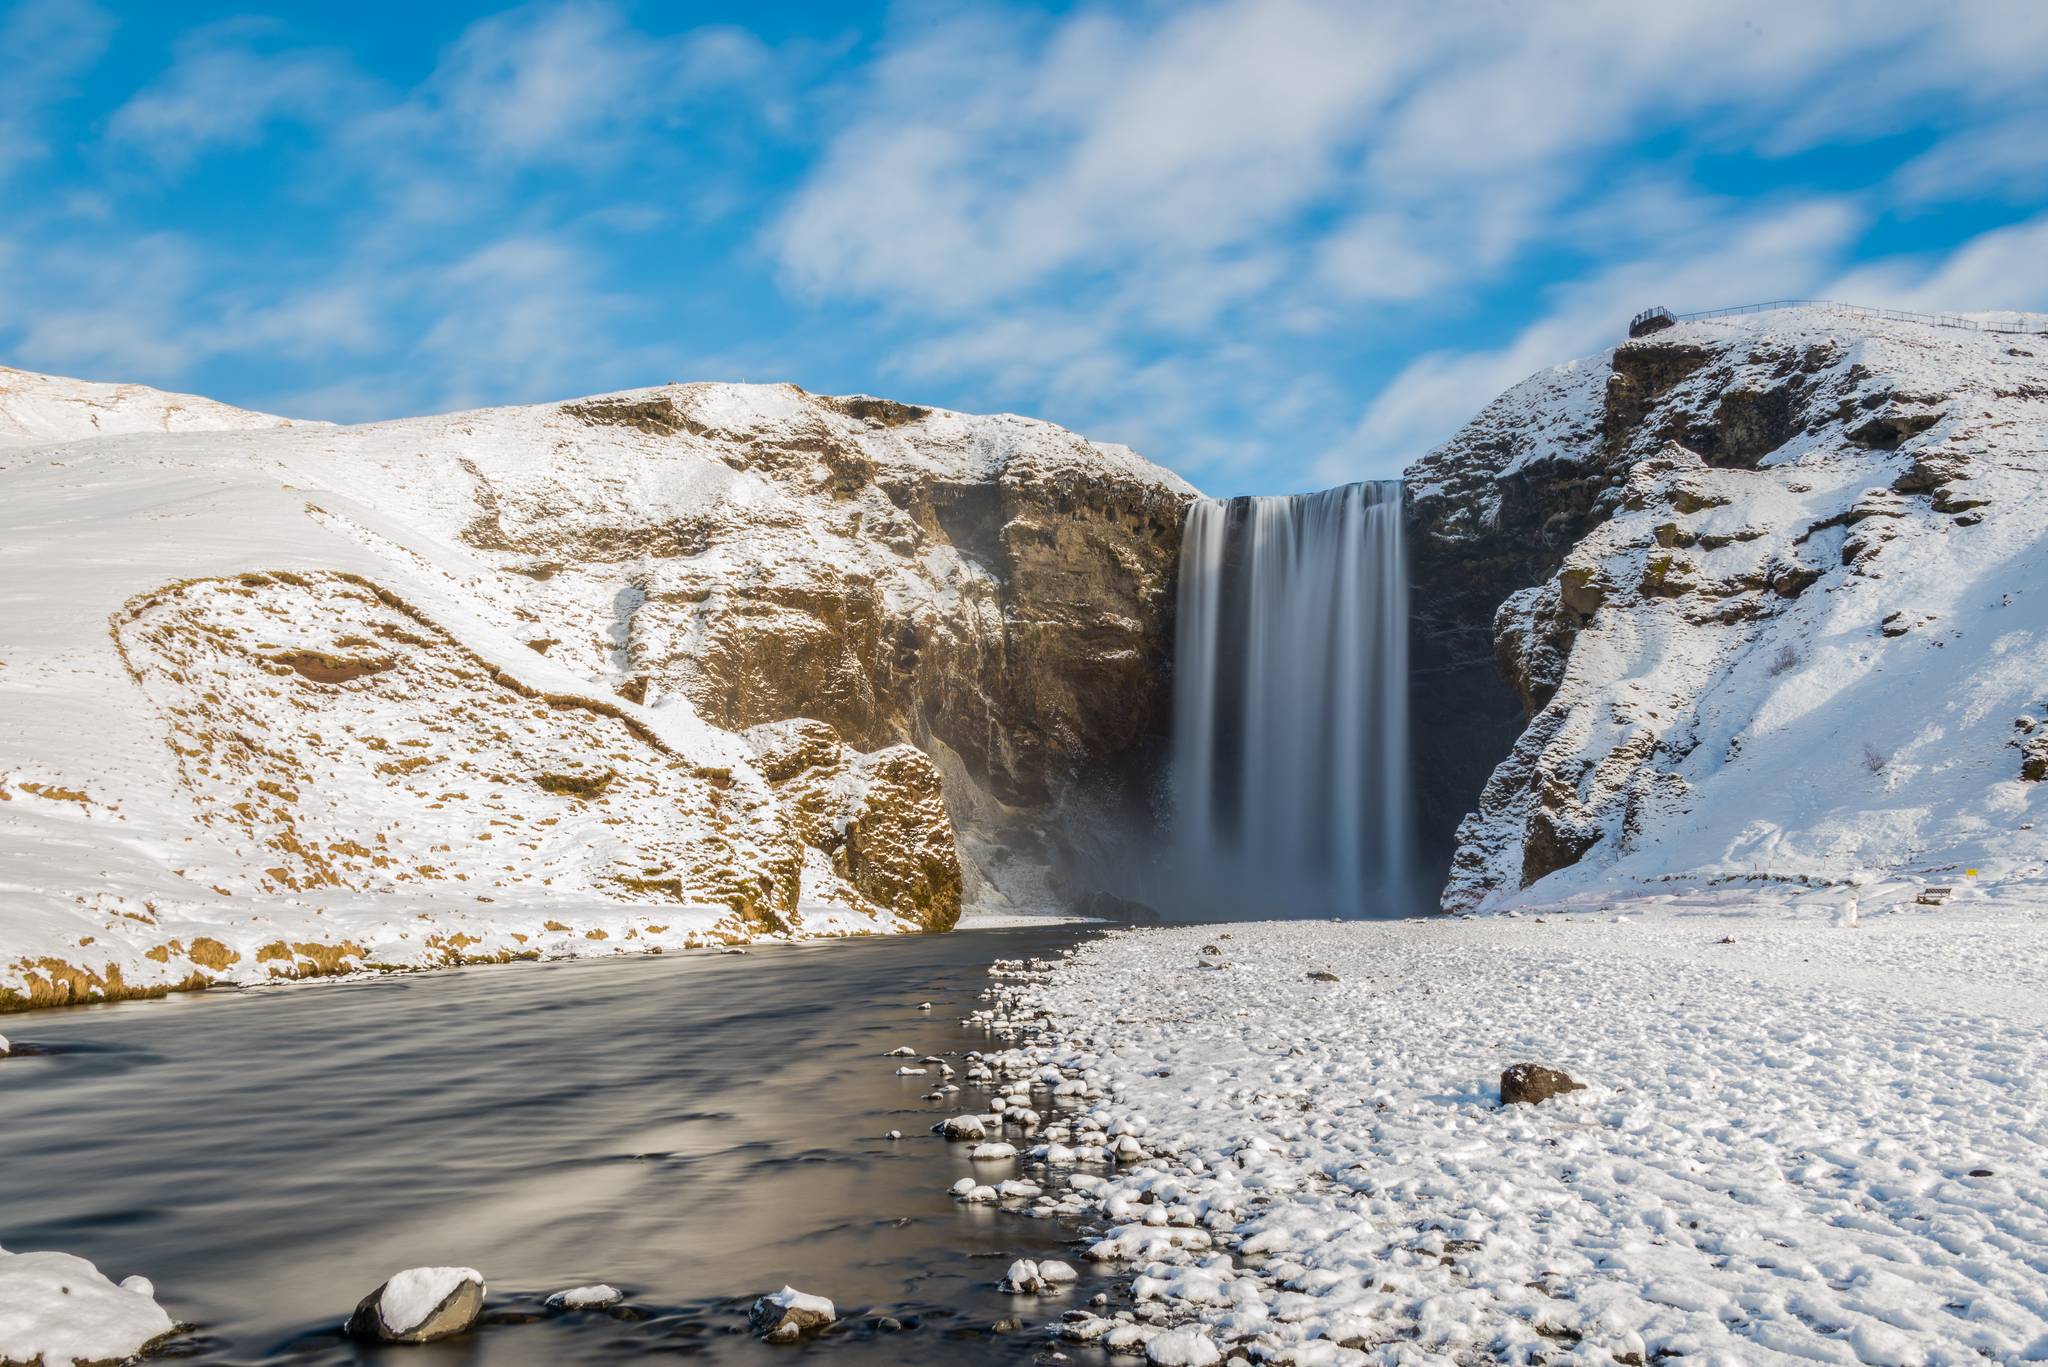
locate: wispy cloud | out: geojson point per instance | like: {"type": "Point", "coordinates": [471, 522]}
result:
{"type": "Point", "coordinates": [225, 90]}
{"type": "Point", "coordinates": [47, 44]}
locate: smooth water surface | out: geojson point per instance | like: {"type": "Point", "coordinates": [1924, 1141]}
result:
{"type": "Point", "coordinates": [695, 1130]}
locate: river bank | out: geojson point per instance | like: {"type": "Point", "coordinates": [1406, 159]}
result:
{"type": "Point", "coordinates": [1802, 1137]}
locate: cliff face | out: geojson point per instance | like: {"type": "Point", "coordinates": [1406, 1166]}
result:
{"type": "Point", "coordinates": [1764, 593]}
{"type": "Point", "coordinates": [661, 668]}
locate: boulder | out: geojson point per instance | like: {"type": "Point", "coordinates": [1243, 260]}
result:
{"type": "Point", "coordinates": [55, 1307]}
{"type": "Point", "coordinates": [419, 1305]}
{"type": "Point", "coordinates": [962, 1127]}
{"type": "Point", "coordinates": [1532, 1083]}
{"type": "Point", "coordinates": [789, 1315]}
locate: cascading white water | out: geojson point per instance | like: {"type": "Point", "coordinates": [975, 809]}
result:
{"type": "Point", "coordinates": [1289, 776]}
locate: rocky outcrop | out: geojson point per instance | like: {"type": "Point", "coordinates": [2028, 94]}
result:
{"type": "Point", "coordinates": [993, 590]}
{"type": "Point", "coordinates": [663, 669]}
{"type": "Point", "coordinates": [1695, 555]}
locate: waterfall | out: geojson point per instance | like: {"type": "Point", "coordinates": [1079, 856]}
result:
{"type": "Point", "coordinates": [1289, 774]}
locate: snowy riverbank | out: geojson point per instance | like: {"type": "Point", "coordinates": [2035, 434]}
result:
{"type": "Point", "coordinates": [1805, 1136]}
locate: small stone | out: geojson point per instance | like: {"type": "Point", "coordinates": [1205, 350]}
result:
{"type": "Point", "coordinates": [1321, 975]}
{"type": "Point", "coordinates": [789, 1315]}
{"type": "Point", "coordinates": [1007, 1325]}
{"type": "Point", "coordinates": [924, 1006]}
{"type": "Point", "coordinates": [419, 1305]}
{"type": "Point", "coordinates": [901, 1051]}
{"type": "Point", "coordinates": [886, 1324]}
{"type": "Point", "coordinates": [962, 1127]}
{"type": "Point", "coordinates": [1974, 1172]}
{"type": "Point", "coordinates": [1532, 1082]}
{"type": "Point", "coordinates": [893, 1134]}
{"type": "Point", "coordinates": [1211, 949]}
{"type": "Point", "coordinates": [586, 1297]}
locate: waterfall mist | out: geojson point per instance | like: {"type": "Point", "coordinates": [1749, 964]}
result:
{"type": "Point", "coordinates": [1289, 777]}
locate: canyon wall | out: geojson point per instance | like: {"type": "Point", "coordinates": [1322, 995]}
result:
{"type": "Point", "coordinates": [1763, 601]}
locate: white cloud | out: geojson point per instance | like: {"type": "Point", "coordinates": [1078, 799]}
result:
{"type": "Point", "coordinates": [2006, 268]}
{"type": "Point", "coordinates": [2009, 158]}
{"type": "Point", "coordinates": [1770, 256]}
{"type": "Point", "coordinates": [224, 92]}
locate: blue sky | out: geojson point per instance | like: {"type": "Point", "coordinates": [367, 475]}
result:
{"type": "Point", "coordinates": [1274, 244]}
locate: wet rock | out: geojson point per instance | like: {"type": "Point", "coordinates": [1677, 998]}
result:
{"type": "Point", "coordinates": [1531, 1083]}
{"type": "Point", "coordinates": [962, 1127]}
{"type": "Point", "coordinates": [586, 1297]}
{"type": "Point", "coordinates": [789, 1315]}
{"type": "Point", "coordinates": [886, 1324]}
{"type": "Point", "coordinates": [1022, 1279]}
{"type": "Point", "coordinates": [419, 1305]}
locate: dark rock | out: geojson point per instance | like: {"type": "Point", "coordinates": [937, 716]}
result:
{"type": "Point", "coordinates": [1321, 976]}
{"type": "Point", "coordinates": [1530, 1083]}
{"type": "Point", "coordinates": [1982, 1172]}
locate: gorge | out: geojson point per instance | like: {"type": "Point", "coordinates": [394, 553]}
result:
{"type": "Point", "coordinates": [689, 665]}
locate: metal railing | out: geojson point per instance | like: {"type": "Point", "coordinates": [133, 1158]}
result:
{"type": "Point", "coordinates": [1943, 320]}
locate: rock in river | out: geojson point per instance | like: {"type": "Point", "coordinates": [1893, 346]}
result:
{"type": "Point", "coordinates": [419, 1305]}
{"type": "Point", "coordinates": [789, 1315]}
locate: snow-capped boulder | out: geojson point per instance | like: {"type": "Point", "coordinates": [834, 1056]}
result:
{"type": "Point", "coordinates": [419, 1305]}
{"type": "Point", "coordinates": [788, 1315]}
{"type": "Point", "coordinates": [57, 1309]}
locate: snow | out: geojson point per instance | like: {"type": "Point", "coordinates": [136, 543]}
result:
{"type": "Point", "coordinates": [789, 1298]}
{"type": "Point", "coordinates": [1715, 732]}
{"type": "Point", "coordinates": [1818, 1143]}
{"type": "Point", "coordinates": [56, 1309]}
{"type": "Point", "coordinates": [595, 1297]}
{"type": "Point", "coordinates": [409, 1297]}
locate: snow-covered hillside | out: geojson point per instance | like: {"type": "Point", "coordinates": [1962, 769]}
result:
{"type": "Point", "coordinates": [1805, 635]}
{"type": "Point", "coordinates": [37, 409]}
{"type": "Point", "coordinates": [279, 699]}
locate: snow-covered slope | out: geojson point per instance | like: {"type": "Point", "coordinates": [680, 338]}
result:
{"type": "Point", "coordinates": [36, 409]}
{"type": "Point", "coordinates": [1801, 629]}
{"type": "Point", "coordinates": [626, 673]}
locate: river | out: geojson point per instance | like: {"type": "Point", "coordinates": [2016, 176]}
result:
{"type": "Point", "coordinates": [695, 1130]}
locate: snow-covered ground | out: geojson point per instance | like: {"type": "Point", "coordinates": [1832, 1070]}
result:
{"type": "Point", "coordinates": [1810, 1132]}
